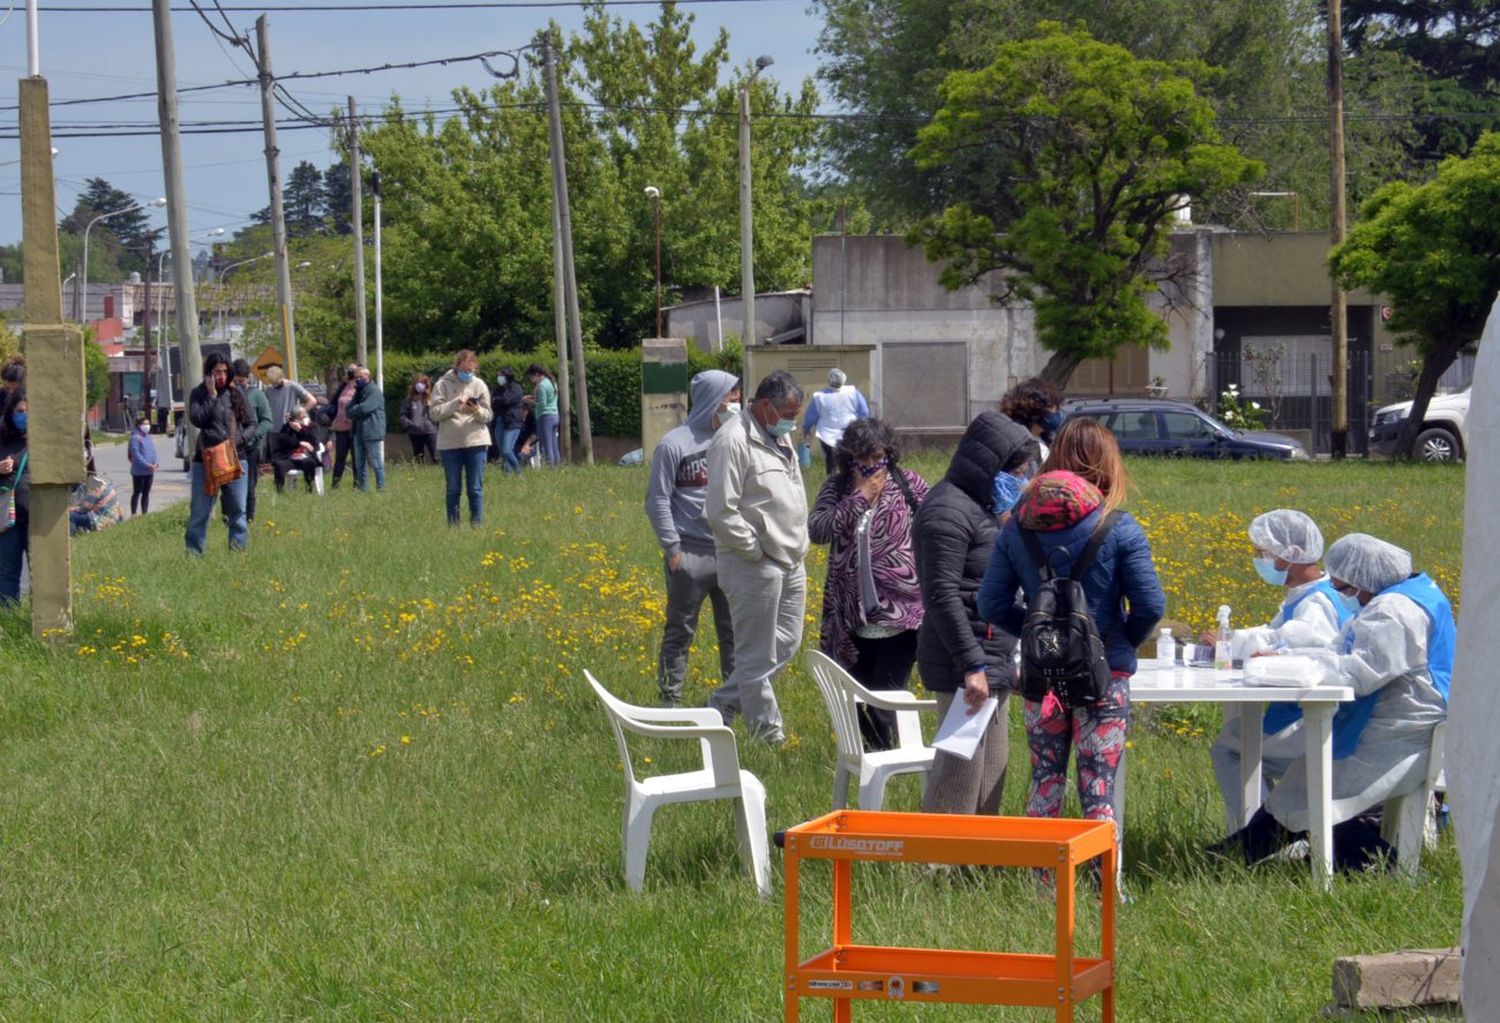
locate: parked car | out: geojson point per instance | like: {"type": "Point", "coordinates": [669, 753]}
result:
{"type": "Point", "coordinates": [1443, 437]}
{"type": "Point", "coordinates": [1157, 426]}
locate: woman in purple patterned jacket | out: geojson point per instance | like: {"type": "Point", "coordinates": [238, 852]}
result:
{"type": "Point", "coordinates": [872, 604]}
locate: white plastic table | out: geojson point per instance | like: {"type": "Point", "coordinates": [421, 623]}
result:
{"type": "Point", "coordinates": [1204, 685]}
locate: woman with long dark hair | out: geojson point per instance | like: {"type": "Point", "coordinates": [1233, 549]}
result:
{"type": "Point", "coordinates": [417, 421]}
{"type": "Point", "coordinates": [15, 478]}
{"type": "Point", "coordinates": [221, 412]}
{"type": "Point", "coordinates": [872, 603]}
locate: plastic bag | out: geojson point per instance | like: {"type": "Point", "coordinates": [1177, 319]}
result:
{"type": "Point", "coordinates": [1293, 670]}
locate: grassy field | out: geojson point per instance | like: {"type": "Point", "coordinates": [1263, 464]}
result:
{"type": "Point", "coordinates": [356, 774]}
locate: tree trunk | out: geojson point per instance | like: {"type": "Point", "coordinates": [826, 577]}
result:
{"type": "Point", "coordinates": [1059, 369]}
{"type": "Point", "coordinates": [1433, 367]}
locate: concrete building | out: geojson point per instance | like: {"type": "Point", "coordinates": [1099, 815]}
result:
{"type": "Point", "coordinates": [941, 357]}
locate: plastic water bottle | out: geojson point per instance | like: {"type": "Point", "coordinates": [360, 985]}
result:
{"type": "Point", "coordinates": [1223, 650]}
{"type": "Point", "coordinates": [1166, 650]}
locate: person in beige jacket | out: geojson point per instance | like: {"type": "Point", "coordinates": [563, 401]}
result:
{"type": "Point", "coordinates": [461, 409]}
{"type": "Point", "coordinates": [757, 507]}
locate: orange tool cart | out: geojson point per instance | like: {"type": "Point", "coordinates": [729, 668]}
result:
{"type": "Point", "coordinates": [847, 971]}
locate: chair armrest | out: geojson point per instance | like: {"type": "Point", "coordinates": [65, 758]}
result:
{"type": "Point", "coordinates": [898, 699]}
{"type": "Point", "coordinates": [685, 731]}
{"type": "Point", "coordinates": [704, 716]}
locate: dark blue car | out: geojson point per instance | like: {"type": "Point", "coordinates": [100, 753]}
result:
{"type": "Point", "coordinates": [1156, 426]}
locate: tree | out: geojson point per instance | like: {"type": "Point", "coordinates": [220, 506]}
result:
{"type": "Point", "coordinates": [1434, 251]}
{"type": "Point", "coordinates": [338, 198]}
{"type": "Point", "coordinates": [302, 200]}
{"type": "Point", "coordinates": [1454, 44]}
{"type": "Point", "coordinates": [1084, 152]}
{"type": "Point", "coordinates": [99, 197]}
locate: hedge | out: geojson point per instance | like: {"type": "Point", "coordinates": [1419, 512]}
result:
{"type": "Point", "coordinates": [614, 380]}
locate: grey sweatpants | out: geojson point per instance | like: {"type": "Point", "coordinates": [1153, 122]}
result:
{"type": "Point", "coordinates": [697, 577]}
{"type": "Point", "coordinates": [767, 602]}
{"type": "Point", "coordinates": [956, 785]}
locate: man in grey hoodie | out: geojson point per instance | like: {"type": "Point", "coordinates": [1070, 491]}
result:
{"type": "Point", "coordinates": [674, 504]}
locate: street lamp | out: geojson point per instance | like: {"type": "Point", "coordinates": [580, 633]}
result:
{"type": "Point", "coordinates": [223, 313]}
{"type": "Point", "coordinates": [83, 275]}
{"type": "Point", "coordinates": [654, 194]}
{"type": "Point", "coordinates": [747, 230]}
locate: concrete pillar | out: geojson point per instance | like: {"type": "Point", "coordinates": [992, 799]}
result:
{"type": "Point", "coordinates": [664, 389]}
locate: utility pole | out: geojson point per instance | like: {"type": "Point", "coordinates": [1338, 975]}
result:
{"type": "Point", "coordinates": [54, 351]}
{"type": "Point", "coordinates": [747, 216]}
{"type": "Point", "coordinates": [273, 178]}
{"type": "Point", "coordinates": [357, 208]}
{"type": "Point", "coordinates": [560, 322]}
{"type": "Point", "coordinates": [177, 219]}
{"type": "Point", "coordinates": [1338, 309]}
{"type": "Point", "coordinates": [146, 367]}
{"type": "Point", "coordinates": [570, 279]}
{"type": "Point", "coordinates": [379, 291]}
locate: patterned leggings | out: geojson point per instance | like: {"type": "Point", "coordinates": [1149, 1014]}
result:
{"type": "Point", "coordinates": [1097, 733]}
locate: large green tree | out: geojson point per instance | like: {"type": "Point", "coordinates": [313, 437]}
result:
{"type": "Point", "coordinates": [1434, 250]}
{"type": "Point", "coordinates": [1085, 152]}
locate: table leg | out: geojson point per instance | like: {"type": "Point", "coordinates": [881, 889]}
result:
{"type": "Point", "coordinates": [1319, 752]}
{"type": "Point", "coordinates": [1066, 886]}
{"type": "Point", "coordinates": [1251, 715]}
{"type": "Point", "coordinates": [1107, 940]}
{"type": "Point", "coordinates": [791, 876]}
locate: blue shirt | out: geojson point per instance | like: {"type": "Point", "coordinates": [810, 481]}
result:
{"type": "Point", "coordinates": [142, 452]}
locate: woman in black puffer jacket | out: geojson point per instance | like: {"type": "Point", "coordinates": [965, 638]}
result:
{"type": "Point", "coordinates": [960, 655]}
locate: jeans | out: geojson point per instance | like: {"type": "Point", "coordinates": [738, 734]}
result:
{"type": "Point", "coordinates": [251, 465]}
{"type": "Point", "coordinates": [459, 463]}
{"type": "Point", "coordinates": [342, 444]}
{"type": "Point", "coordinates": [546, 428]}
{"type": "Point", "coordinates": [767, 602]}
{"type": "Point", "coordinates": [367, 456]}
{"type": "Point", "coordinates": [14, 543]}
{"type": "Point", "coordinates": [508, 460]}
{"type": "Point", "coordinates": [202, 509]}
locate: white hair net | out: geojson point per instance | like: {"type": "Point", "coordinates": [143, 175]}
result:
{"type": "Point", "coordinates": [1368, 562]}
{"type": "Point", "coordinates": [1290, 535]}
{"type": "Point", "coordinates": [836, 377]}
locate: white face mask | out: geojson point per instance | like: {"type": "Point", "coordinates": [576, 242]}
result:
{"type": "Point", "coordinates": [421, 388]}
{"type": "Point", "coordinates": [731, 409]}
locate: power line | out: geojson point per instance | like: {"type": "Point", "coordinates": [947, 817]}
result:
{"type": "Point", "coordinates": [440, 5]}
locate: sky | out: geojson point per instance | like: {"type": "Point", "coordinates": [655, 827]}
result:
{"type": "Point", "coordinates": [101, 54]}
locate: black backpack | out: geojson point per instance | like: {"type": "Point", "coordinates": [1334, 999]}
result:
{"type": "Point", "coordinates": [1061, 651]}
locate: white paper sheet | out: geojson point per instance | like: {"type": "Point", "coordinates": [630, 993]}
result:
{"type": "Point", "coordinates": [960, 731]}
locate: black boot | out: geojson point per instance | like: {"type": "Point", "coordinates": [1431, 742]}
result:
{"type": "Point", "coordinates": [1262, 838]}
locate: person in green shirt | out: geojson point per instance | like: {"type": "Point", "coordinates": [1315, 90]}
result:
{"type": "Point", "coordinates": [252, 448]}
{"type": "Point", "coordinates": [544, 391]}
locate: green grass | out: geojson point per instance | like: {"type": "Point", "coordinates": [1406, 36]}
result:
{"type": "Point", "coordinates": [356, 774]}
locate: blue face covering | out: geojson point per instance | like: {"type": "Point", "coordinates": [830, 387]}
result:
{"type": "Point", "coordinates": [1266, 569]}
{"type": "Point", "coordinates": [19, 418]}
{"type": "Point", "coordinates": [1007, 491]}
{"type": "Point", "coordinates": [782, 427]}
{"type": "Point", "coordinates": [1350, 602]}
{"type": "Point", "coordinates": [465, 375]}
{"type": "Point", "coordinates": [1051, 421]}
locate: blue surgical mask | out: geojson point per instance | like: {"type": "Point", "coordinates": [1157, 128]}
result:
{"type": "Point", "coordinates": [1007, 491]}
{"type": "Point", "coordinates": [1266, 569]}
{"type": "Point", "coordinates": [1349, 601]}
{"type": "Point", "coordinates": [19, 418]}
{"type": "Point", "coordinates": [465, 376]}
{"type": "Point", "coordinates": [1051, 421]}
{"type": "Point", "coordinates": [782, 427]}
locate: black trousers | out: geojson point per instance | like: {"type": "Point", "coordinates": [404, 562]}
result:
{"type": "Point", "coordinates": [343, 447]}
{"type": "Point", "coordinates": [883, 664]}
{"type": "Point", "coordinates": [309, 467]}
{"type": "Point", "coordinates": [140, 493]}
{"type": "Point", "coordinates": [828, 461]}
{"type": "Point", "coordinates": [423, 446]}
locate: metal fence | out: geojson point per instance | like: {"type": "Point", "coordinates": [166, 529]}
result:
{"type": "Point", "coordinates": [1294, 393]}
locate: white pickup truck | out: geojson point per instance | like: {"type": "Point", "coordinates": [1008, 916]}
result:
{"type": "Point", "coordinates": [1443, 437]}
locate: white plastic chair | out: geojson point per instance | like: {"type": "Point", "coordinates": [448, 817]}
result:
{"type": "Point", "coordinates": [843, 695]}
{"type": "Point", "coordinates": [719, 778]}
{"type": "Point", "coordinates": [1403, 821]}
{"type": "Point", "coordinates": [317, 473]}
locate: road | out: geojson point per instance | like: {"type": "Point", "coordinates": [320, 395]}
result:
{"type": "Point", "coordinates": [171, 486]}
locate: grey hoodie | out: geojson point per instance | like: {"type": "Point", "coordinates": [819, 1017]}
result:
{"type": "Point", "coordinates": [679, 470]}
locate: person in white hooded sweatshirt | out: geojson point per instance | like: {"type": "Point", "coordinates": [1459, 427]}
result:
{"type": "Point", "coordinates": [1288, 546]}
{"type": "Point", "coordinates": [675, 496]}
{"type": "Point", "coordinates": [830, 412]}
{"type": "Point", "coordinates": [1396, 653]}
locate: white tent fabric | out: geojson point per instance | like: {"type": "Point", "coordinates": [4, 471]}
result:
{"type": "Point", "coordinates": [1473, 762]}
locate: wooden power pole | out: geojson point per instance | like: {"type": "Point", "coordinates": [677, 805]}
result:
{"type": "Point", "coordinates": [1338, 308]}
{"type": "Point", "coordinates": [560, 324]}
{"type": "Point", "coordinates": [273, 178]}
{"type": "Point", "coordinates": [357, 209]}
{"type": "Point", "coordinates": [570, 279]}
{"type": "Point", "coordinates": [54, 355]}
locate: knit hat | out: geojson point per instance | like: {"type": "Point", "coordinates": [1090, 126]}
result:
{"type": "Point", "coordinates": [1056, 500]}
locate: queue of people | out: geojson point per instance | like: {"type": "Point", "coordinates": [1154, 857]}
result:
{"type": "Point", "coordinates": [963, 581]}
